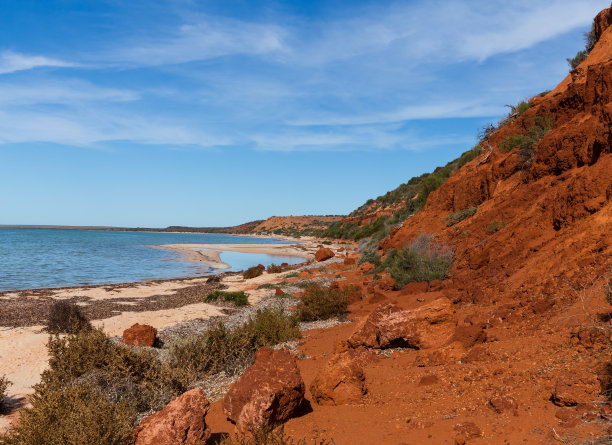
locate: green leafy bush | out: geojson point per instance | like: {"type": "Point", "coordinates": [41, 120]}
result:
{"type": "Point", "coordinates": [238, 298]}
{"type": "Point", "coordinates": [526, 141]}
{"type": "Point", "coordinates": [369, 256]}
{"type": "Point", "coordinates": [423, 259]}
{"type": "Point", "coordinates": [291, 275]}
{"type": "Point", "coordinates": [252, 272]}
{"type": "Point", "coordinates": [272, 326]}
{"type": "Point", "coordinates": [321, 303]}
{"type": "Point", "coordinates": [66, 318]}
{"type": "Point", "coordinates": [454, 218]}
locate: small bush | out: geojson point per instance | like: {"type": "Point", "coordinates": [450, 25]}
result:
{"type": "Point", "coordinates": [72, 415]}
{"type": "Point", "coordinates": [274, 268]}
{"type": "Point", "coordinates": [4, 384]}
{"type": "Point", "coordinates": [527, 141]}
{"type": "Point", "coordinates": [252, 272]}
{"type": "Point", "coordinates": [238, 298]}
{"type": "Point", "coordinates": [369, 256]}
{"type": "Point", "coordinates": [304, 284]}
{"type": "Point", "coordinates": [266, 435]}
{"type": "Point", "coordinates": [454, 218]}
{"type": "Point", "coordinates": [321, 303]}
{"type": "Point", "coordinates": [291, 275]}
{"type": "Point", "coordinates": [421, 260]}
{"type": "Point", "coordinates": [267, 286]}
{"type": "Point", "coordinates": [272, 326]}
{"type": "Point", "coordinates": [495, 227]}
{"type": "Point", "coordinates": [66, 318]}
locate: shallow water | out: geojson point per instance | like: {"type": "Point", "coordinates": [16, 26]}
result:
{"type": "Point", "coordinates": [38, 258]}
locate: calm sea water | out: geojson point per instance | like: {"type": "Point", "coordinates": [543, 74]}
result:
{"type": "Point", "coordinates": [56, 258]}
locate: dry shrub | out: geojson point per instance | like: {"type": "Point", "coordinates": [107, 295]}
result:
{"type": "Point", "coordinates": [72, 415]}
{"type": "Point", "coordinates": [252, 272]}
{"type": "Point", "coordinates": [66, 318]}
{"type": "Point", "coordinates": [4, 384]}
{"type": "Point", "coordinates": [220, 349]}
{"type": "Point", "coordinates": [321, 303]}
{"type": "Point", "coordinates": [275, 268]}
{"type": "Point", "coordinates": [266, 435]}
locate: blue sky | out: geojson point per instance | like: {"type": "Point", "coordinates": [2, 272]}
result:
{"type": "Point", "coordinates": [203, 113]}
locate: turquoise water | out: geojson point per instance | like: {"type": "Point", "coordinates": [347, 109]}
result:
{"type": "Point", "coordinates": [56, 258]}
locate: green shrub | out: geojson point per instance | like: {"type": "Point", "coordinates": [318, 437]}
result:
{"type": "Point", "coordinates": [66, 318]}
{"type": "Point", "coordinates": [526, 141]}
{"type": "Point", "coordinates": [495, 226]}
{"type": "Point", "coordinates": [454, 218]}
{"type": "Point", "coordinates": [321, 303]}
{"type": "Point", "coordinates": [520, 141]}
{"type": "Point", "coordinates": [291, 275]}
{"type": "Point", "coordinates": [272, 326]}
{"type": "Point", "coordinates": [252, 272]}
{"type": "Point", "coordinates": [4, 384]}
{"type": "Point", "coordinates": [73, 415]}
{"type": "Point", "coordinates": [238, 298]}
{"type": "Point", "coordinates": [220, 349]}
{"type": "Point", "coordinates": [304, 284]}
{"type": "Point", "coordinates": [421, 260]}
{"type": "Point", "coordinates": [267, 286]}
{"type": "Point", "coordinates": [369, 256]}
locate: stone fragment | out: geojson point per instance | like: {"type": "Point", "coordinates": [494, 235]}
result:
{"type": "Point", "coordinates": [324, 254]}
{"type": "Point", "coordinates": [139, 335]}
{"type": "Point", "coordinates": [574, 387]}
{"type": "Point", "coordinates": [340, 382]}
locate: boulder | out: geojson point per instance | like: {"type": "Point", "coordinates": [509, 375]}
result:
{"type": "Point", "coordinates": [324, 254]}
{"type": "Point", "coordinates": [386, 283]}
{"type": "Point", "coordinates": [574, 387]}
{"type": "Point", "coordinates": [278, 292]}
{"type": "Point", "coordinates": [268, 393]}
{"type": "Point", "coordinates": [341, 381]}
{"type": "Point", "coordinates": [430, 326]}
{"type": "Point", "coordinates": [504, 403]}
{"type": "Point", "coordinates": [140, 335]}
{"type": "Point", "coordinates": [182, 421]}
{"type": "Point", "coordinates": [366, 268]}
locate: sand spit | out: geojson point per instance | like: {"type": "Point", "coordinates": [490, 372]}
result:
{"type": "Point", "coordinates": [210, 253]}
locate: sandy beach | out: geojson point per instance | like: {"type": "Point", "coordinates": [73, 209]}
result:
{"type": "Point", "coordinates": [160, 303]}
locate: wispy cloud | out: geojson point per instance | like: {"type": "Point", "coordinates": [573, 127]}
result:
{"type": "Point", "coordinates": [11, 62]}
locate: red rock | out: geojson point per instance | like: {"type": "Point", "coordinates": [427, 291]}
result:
{"type": "Point", "coordinates": [469, 430]}
{"type": "Point", "coordinates": [446, 355]}
{"type": "Point", "coordinates": [350, 261]}
{"type": "Point", "coordinates": [269, 392]}
{"type": "Point", "coordinates": [471, 335]}
{"type": "Point", "coordinates": [503, 403]}
{"type": "Point", "coordinates": [367, 268]}
{"type": "Point", "coordinates": [386, 283]}
{"type": "Point", "coordinates": [140, 335]}
{"type": "Point", "coordinates": [415, 288]}
{"type": "Point", "coordinates": [428, 380]}
{"type": "Point", "coordinates": [324, 254]}
{"type": "Point", "coordinates": [341, 249]}
{"type": "Point", "coordinates": [182, 421]}
{"type": "Point", "coordinates": [568, 418]}
{"type": "Point", "coordinates": [341, 381]}
{"type": "Point", "coordinates": [430, 326]}
{"type": "Point", "coordinates": [574, 387]}
{"type": "Point", "coordinates": [278, 292]}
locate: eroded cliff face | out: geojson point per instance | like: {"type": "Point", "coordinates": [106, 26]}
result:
{"type": "Point", "coordinates": [543, 219]}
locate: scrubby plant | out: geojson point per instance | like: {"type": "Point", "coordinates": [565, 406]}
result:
{"type": "Point", "coordinates": [590, 39]}
{"type": "Point", "coordinates": [267, 286]}
{"type": "Point", "coordinates": [304, 284]}
{"type": "Point", "coordinates": [66, 318]}
{"type": "Point", "coordinates": [266, 435]}
{"type": "Point", "coordinates": [93, 391]}
{"type": "Point", "coordinates": [4, 384]}
{"type": "Point", "coordinates": [252, 272]}
{"type": "Point", "coordinates": [291, 275]}
{"type": "Point", "coordinates": [238, 298]}
{"type": "Point", "coordinates": [369, 255]}
{"type": "Point", "coordinates": [423, 259]}
{"type": "Point", "coordinates": [321, 303]}
{"type": "Point", "coordinates": [454, 218]}
{"type": "Point", "coordinates": [275, 268]}
{"type": "Point", "coordinates": [525, 142]}
{"type": "Point", "coordinates": [495, 226]}
{"type": "Point", "coordinates": [272, 326]}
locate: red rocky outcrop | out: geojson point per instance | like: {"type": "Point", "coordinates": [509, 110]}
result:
{"type": "Point", "coordinates": [340, 382]}
{"type": "Point", "coordinates": [430, 326]}
{"type": "Point", "coordinates": [182, 421]}
{"type": "Point", "coordinates": [574, 387]}
{"type": "Point", "coordinates": [268, 393]}
{"type": "Point", "coordinates": [140, 335]}
{"type": "Point", "coordinates": [324, 254]}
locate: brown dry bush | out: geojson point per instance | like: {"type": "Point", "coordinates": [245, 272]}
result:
{"type": "Point", "coordinates": [4, 384]}
{"type": "Point", "coordinates": [266, 435]}
{"type": "Point", "coordinates": [252, 272]}
{"type": "Point", "coordinates": [321, 303]}
{"type": "Point", "coordinates": [66, 318]}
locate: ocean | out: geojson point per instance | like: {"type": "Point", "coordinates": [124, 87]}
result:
{"type": "Point", "coordinates": [40, 258]}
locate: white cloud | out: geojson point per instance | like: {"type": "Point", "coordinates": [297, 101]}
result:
{"type": "Point", "coordinates": [11, 62]}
